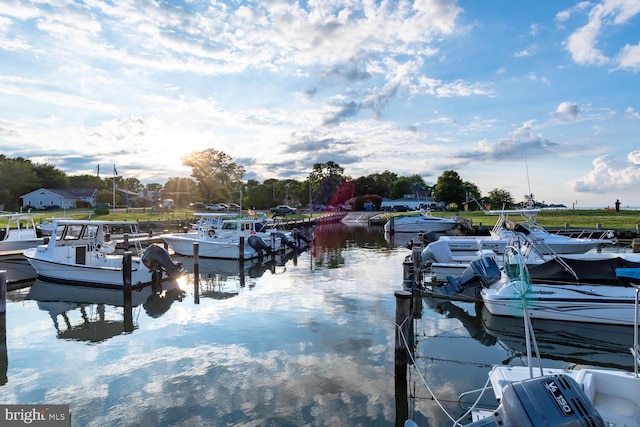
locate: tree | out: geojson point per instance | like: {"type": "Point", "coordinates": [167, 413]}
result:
{"type": "Point", "coordinates": [131, 184]}
{"type": "Point", "coordinates": [181, 190]}
{"type": "Point", "coordinates": [86, 181]}
{"type": "Point", "coordinates": [405, 185]}
{"type": "Point", "coordinates": [17, 177]}
{"type": "Point", "coordinates": [50, 177]}
{"type": "Point", "coordinates": [449, 188]}
{"type": "Point", "coordinates": [500, 199]}
{"type": "Point", "coordinates": [325, 180]}
{"type": "Point", "coordinates": [215, 173]}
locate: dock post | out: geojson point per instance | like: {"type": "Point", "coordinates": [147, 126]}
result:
{"type": "Point", "coordinates": [402, 326]}
{"type": "Point", "coordinates": [127, 303]}
{"type": "Point", "coordinates": [241, 248]}
{"type": "Point", "coordinates": [4, 358]}
{"type": "Point", "coordinates": [196, 273]}
{"type": "Point", "coordinates": [3, 292]}
{"type": "Point", "coordinates": [392, 225]}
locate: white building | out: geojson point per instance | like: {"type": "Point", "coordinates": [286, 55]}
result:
{"type": "Point", "coordinates": [64, 198]}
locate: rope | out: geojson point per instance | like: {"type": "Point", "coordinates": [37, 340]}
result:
{"type": "Point", "coordinates": [456, 422]}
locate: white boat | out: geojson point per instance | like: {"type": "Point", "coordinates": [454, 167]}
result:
{"type": "Point", "coordinates": [502, 232]}
{"type": "Point", "coordinates": [591, 267]}
{"type": "Point", "coordinates": [418, 221]}
{"type": "Point", "coordinates": [82, 252]}
{"type": "Point", "coordinates": [549, 396]}
{"type": "Point", "coordinates": [19, 234]}
{"type": "Point", "coordinates": [576, 302]}
{"type": "Point", "coordinates": [237, 238]}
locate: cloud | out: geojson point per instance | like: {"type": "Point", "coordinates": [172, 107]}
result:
{"type": "Point", "coordinates": [631, 113]}
{"type": "Point", "coordinates": [582, 44]}
{"type": "Point", "coordinates": [568, 111]}
{"type": "Point", "coordinates": [610, 174]}
{"type": "Point", "coordinates": [518, 144]}
{"type": "Point", "coordinates": [344, 111]}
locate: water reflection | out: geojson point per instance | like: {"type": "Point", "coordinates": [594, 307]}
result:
{"type": "Point", "coordinates": [576, 343]}
{"type": "Point", "coordinates": [306, 340]}
{"type": "Point", "coordinates": [94, 314]}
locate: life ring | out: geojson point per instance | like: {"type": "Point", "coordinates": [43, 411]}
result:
{"type": "Point", "coordinates": [211, 232]}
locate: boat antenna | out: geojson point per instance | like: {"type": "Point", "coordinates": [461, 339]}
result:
{"type": "Point", "coordinates": [530, 203]}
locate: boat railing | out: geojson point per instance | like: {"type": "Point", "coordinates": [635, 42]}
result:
{"type": "Point", "coordinates": [597, 234]}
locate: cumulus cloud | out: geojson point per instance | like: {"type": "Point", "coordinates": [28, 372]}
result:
{"type": "Point", "coordinates": [568, 111]}
{"type": "Point", "coordinates": [609, 174]}
{"type": "Point", "coordinates": [583, 43]}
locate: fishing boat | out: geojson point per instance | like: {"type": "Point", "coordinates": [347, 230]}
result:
{"type": "Point", "coordinates": [591, 302]}
{"type": "Point", "coordinates": [233, 238]}
{"type": "Point", "coordinates": [82, 252]}
{"type": "Point", "coordinates": [503, 230]}
{"type": "Point", "coordinates": [19, 234]}
{"type": "Point", "coordinates": [542, 262]}
{"type": "Point", "coordinates": [551, 396]}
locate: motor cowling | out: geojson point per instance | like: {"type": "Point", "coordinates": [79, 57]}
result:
{"type": "Point", "coordinates": [156, 257]}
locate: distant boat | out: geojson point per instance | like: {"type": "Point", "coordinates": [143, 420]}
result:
{"type": "Point", "coordinates": [221, 238]}
{"type": "Point", "coordinates": [419, 221]}
{"type": "Point", "coordinates": [19, 234]}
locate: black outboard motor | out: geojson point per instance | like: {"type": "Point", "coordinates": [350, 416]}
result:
{"type": "Point", "coordinates": [155, 257]}
{"type": "Point", "coordinates": [554, 400]}
{"type": "Point", "coordinates": [258, 244]}
{"type": "Point", "coordinates": [284, 239]}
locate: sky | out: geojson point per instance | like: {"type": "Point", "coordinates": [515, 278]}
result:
{"type": "Point", "coordinates": [532, 97]}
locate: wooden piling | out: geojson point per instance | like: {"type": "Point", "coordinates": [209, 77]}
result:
{"type": "Point", "coordinates": [3, 292]}
{"type": "Point", "coordinates": [4, 358]}
{"type": "Point", "coordinates": [392, 225]}
{"type": "Point", "coordinates": [127, 301]}
{"type": "Point", "coordinates": [241, 248]}
{"type": "Point", "coordinates": [196, 272]}
{"type": "Point", "coordinates": [403, 326]}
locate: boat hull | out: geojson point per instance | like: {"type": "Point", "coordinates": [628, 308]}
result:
{"type": "Point", "coordinates": [613, 305]}
{"type": "Point", "coordinates": [209, 249]}
{"type": "Point", "coordinates": [421, 223]}
{"type": "Point", "coordinates": [98, 270]}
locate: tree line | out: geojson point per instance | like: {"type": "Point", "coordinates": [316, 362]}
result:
{"type": "Point", "coordinates": [215, 177]}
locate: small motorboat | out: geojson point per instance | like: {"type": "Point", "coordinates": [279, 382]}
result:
{"type": "Point", "coordinates": [82, 252]}
{"type": "Point", "coordinates": [19, 234]}
{"type": "Point", "coordinates": [419, 221]}
{"type": "Point", "coordinates": [233, 238]}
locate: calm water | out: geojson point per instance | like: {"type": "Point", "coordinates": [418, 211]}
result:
{"type": "Point", "coordinates": [306, 342]}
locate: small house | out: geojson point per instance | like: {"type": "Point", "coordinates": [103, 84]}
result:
{"type": "Point", "coordinates": [63, 198]}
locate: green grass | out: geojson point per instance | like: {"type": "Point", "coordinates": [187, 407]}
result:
{"type": "Point", "coordinates": [546, 218]}
{"type": "Point", "coordinates": [572, 218]}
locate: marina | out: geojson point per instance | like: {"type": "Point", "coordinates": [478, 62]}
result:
{"type": "Point", "coordinates": [303, 339]}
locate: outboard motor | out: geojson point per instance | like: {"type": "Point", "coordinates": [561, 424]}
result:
{"type": "Point", "coordinates": [284, 239]}
{"type": "Point", "coordinates": [258, 244]}
{"type": "Point", "coordinates": [155, 257]}
{"type": "Point", "coordinates": [554, 400]}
